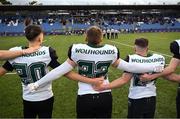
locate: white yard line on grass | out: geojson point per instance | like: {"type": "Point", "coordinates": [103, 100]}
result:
{"type": "Point", "coordinates": [11, 73]}
{"type": "Point", "coordinates": [133, 46]}
{"type": "Point", "coordinates": [51, 38]}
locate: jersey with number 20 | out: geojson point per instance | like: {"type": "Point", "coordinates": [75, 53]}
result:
{"type": "Point", "coordinates": [31, 68]}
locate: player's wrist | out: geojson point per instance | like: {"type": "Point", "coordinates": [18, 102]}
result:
{"type": "Point", "coordinates": [23, 52]}
{"type": "Point", "coordinates": [36, 85]}
{"type": "Point", "coordinates": [106, 87]}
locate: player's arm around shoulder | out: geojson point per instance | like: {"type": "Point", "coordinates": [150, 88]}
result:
{"type": "Point", "coordinates": [15, 52]}
{"type": "Point", "coordinates": [149, 77]}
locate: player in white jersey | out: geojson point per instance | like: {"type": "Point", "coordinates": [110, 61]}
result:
{"type": "Point", "coordinates": [30, 68]}
{"type": "Point", "coordinates": [168, 71]}
{"type": "Point", "coordinates": [108, 33]}
{"type": "Point", "coordinates": [116, 32]}
{"type": "Point", "coordinates": [142, 95]}
{"type": "Point", "coordinates": [112, 33]}
{"type": "Point", "coordinates": [104, 33]}
{"type": "Point", "coordinates": [92, 60]}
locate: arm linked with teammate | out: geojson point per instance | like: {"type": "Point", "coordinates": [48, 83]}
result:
{"type": "Point", "coordinates": [77, 77]}
{"type": "Point", "coordinates": [166, 72]}
{"type": "Point", "coordinates": [61, 70]}
{"type": "Point", "coordinates": [136, 68]}
{"type": "Point", "coordinates": [5, 54]}
{"type": "Point", "coordinates": [125, 78]}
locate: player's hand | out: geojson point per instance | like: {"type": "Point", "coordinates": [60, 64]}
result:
{"type": "Point", "coordinates": [32, 87]}
{"type": "Point", "coordinates": [98, 81]}
{"type": "Point", "coordinates": [101, 87]}
{"type": "Point", "coordinates": [30, 50]}
{"type": "Point", "coordinates": [159, 68]}
{"type": "Point", "coordinates": [147, 77]}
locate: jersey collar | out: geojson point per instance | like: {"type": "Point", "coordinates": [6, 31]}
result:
{"type": "Point", "coordinates": [148, 55]}
{"type": "Point", "coordinates": [94, 46]}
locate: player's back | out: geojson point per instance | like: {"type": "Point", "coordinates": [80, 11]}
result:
{"type": "Point", "coordinates": [92, 61]}
{"type": "Point", "coordinates": [140, 89]}
{"type": "Point", "coordinates": [30, 68]}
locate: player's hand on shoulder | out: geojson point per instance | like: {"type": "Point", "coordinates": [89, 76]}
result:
{"type": "Point", "coordinates": [32, 87]}
{"type": "Point", "coordinates": [30, 50]}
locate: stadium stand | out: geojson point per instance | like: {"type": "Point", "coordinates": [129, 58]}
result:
{"type": "Point", "coordinates": [73, 21]}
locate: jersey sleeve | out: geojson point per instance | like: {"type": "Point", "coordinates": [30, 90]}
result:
{"type": "Point", "coordinates": [70, 52]}
{"type": "Point", "coordinates": [54, 63]}
{"type": "Point", "coordinates": [118, 54]}
{"type": "Point", "coordinates": [164, 61]}
{"type": "Point", "coordinates": [174, 48]}
{"type": "Point", "coordinates": [8, 66]}
{"type": "Point", "coordinates": [127, 60]}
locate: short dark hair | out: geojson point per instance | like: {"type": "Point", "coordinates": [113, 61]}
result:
{"type": "Point", "coordinates": [142, 42]}
{"type": "Point", "coordinates": [32, 31]}
{"type": "Point", "coordinates": [94, 35]}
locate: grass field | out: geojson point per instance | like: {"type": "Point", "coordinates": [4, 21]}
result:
{"type": "Point", "coordinates": [65, 90]}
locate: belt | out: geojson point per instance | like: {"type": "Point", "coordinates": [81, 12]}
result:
{"type": "Point", "coordinates": [94, 96]}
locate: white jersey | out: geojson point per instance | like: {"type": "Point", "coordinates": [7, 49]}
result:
{"type": "Point", "coordinates": [116, 31]}
{"type": "Point", "coordinates": [139, 89]}
{"type": "Point", "coordinates": [31, 68]}
{"type": "Point", "coordinates": [112, 30]}
{"type": "Point", "coordinates": [93, 62]}
{"type": "Point", "coordinates": [108, 31]}
{"type": "Point", "coordinates": [104, 31]}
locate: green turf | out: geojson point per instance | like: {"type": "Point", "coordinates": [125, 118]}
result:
{"type": "Point", "coordinates": [65, 90]}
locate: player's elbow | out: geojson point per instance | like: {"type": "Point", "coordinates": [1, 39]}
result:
{"type": "Point", "coordinates": [2, 71]}
{"type": "Point", "coordinates": [116, 63]}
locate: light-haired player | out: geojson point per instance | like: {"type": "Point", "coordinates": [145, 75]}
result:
{"type": "Point", "coordinates": [92, 60]}
{"type": "Point", "coordinates": [142, 94]}
{"type": "Point", "coordinates": [32, 67]}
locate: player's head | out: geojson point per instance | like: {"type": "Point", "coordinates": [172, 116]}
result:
{"type": "Point", "coordinates": [34, 33]}
{"type": "Point", "coordinates": [94, 35]}
{"type": "Point", "coordinates": [141, 45]}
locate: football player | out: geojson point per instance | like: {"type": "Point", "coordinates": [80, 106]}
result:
{"type": "Point", "coordinates": [93, 60]}
{"type": "Point", "coordinates": [112, 33]}
{"type": "Point", "coordinates": [142, 95]}
{"type": "Point", "coordinates": [116, 33]}
{"type": "Point", "coordinates": [168, 71]}
{"type": "Point", "coordinates": [108, 33]}
{"type": "Point", "coordinates": [32, 67]}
